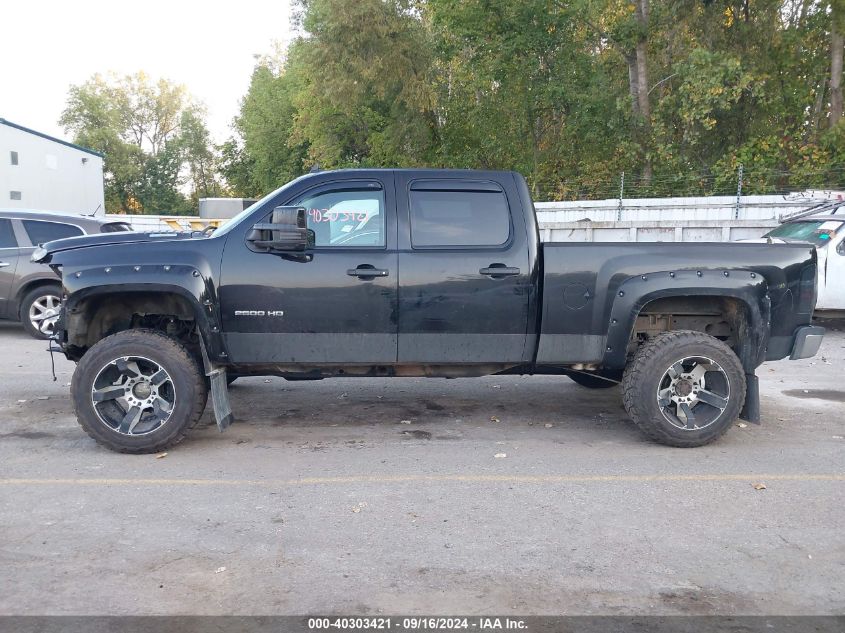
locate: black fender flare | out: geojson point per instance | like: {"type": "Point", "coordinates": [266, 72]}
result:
{"type": "Point", "coordinates": [188, 282]}
{"type": "Point", "coordinates": [634, 293]}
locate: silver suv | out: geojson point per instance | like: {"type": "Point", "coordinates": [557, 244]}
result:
{"type": "Point", "coordinates": [29, 292]}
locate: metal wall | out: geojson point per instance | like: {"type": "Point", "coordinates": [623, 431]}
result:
{"type": "Point", "coordinates": [704, 219]}
{"type": "Point", "coordinates": [707, 219]}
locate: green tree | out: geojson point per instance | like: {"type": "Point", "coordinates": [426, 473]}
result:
{"type": "Point", "coordinates": [154, 138]}
{"type": "Point", "coordinates": [199, 156]}
{"type": "Point", "coordinates": [237, 170]}
{"type": "Point", "coordinates": [266, 125]}
{"type": "Point", "coordinates": [518, 89]}
{"type": "Point", "coordinates": [676, 94]}
{"type": "Point", "coordinates": [362, 90]}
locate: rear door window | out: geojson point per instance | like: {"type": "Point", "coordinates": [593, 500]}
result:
{"type": "Point", "coordinates": [474, 216]}
{"type": "Point", "coordinates": [7, 236]}
{"type": "Point", "coordinates": [40, 231]}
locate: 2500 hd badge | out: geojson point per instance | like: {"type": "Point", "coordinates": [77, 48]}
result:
{"type": "Point", "coordinates": [259, 313]}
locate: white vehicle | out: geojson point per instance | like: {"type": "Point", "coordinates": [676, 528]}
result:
{"type": "Point", "coordinates": [824, 227]}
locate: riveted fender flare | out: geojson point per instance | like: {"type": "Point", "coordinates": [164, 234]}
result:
{"type": "Point", "coordinates": [634, 293]}
{"type": "Point", "coordinates": [186, 281]}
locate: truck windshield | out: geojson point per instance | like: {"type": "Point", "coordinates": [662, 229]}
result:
{"type": "Point", "coordinates": [230, 224]}
{"type": "Point", "coordinates": [817, 232]}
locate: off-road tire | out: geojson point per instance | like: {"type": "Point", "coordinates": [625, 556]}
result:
{"type": "Point", "coordinates": [592, 382]}
{"type": "Point", "coordinates": [188, 381]}
{"type": "Point", "coordinates": [644, 373]}
{"type": "Point", "coordinates": [30, 298]}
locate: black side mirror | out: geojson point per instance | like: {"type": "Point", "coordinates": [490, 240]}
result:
{"type": "Point", "coordinates": [285, 233]}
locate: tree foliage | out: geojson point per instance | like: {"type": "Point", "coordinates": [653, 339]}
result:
{"type": "Point", "coordinates": [674, 93]}
{"type": "Point", "coordinates": [158, 154]}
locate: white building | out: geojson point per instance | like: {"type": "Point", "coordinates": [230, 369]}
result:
{"type": "Point", "coordinates": [44, 173]}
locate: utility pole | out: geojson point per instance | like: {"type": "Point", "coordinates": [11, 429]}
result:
{"type": "Point", "coordinates": [738, 192]}
{"type": "Point", "coordinates": [621, 193]}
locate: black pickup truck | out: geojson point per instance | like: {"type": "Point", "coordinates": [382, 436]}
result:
{"type": "Point", "coordinates": [417, 272]}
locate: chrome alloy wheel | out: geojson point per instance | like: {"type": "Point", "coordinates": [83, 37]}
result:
{"type": "Point", "coordinates": [133, 395]}
{"type": "Point", "coordinates": [693, 393]}
{"type": "Point", "coordinates": [44, 312]}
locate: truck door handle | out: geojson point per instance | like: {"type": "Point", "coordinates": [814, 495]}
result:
{"type": "Point", "coordinates": [499, 271]}
{"type": "Point", "coordinates": [367, 271]}
{"type": "Point", "coordinates": [4, 264]}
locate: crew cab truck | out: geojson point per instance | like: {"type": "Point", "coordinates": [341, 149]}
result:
{"type": "Point", "coordinates": [417, 272]}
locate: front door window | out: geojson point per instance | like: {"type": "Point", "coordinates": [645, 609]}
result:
{"type": "Point", "coordinates": [346, 217]}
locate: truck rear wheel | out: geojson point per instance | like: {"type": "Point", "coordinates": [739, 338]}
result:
{"type": "Point", "coordinates": [684, 388]}
{"type": "Point", "coordinates": [138, 391]}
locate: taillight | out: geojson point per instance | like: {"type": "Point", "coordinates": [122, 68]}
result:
{"type": "Point", "coordinates": [807, 290]}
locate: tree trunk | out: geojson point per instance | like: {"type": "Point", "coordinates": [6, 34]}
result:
{"type": "Point", "coordinates": [643, 105]}
{"type": "Point", "coordinates": [633, 86]}
{"type": "Point", "coordinates": [818, 106]}
{"type": "Point", "coordinates": [642, 60]}
{"type": "Point", "coordinates": [642, 82]}
{"type": "Point", "coordinates": [837, 44]}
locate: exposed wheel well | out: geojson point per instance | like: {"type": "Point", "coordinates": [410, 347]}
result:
{"type": "Point", "coordinates": [725, 318]}
{"type": "Point", "coordinates": [99, 316]}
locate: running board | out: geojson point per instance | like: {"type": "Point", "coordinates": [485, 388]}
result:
{"type": "Point", "coordinates": [220, 398]}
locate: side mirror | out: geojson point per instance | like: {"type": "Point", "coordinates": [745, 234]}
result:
{"type": "Point", "coordinates": [285, 233]}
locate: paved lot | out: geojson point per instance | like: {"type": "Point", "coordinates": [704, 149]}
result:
{"type": "Point", "coordinates": [319, 499]}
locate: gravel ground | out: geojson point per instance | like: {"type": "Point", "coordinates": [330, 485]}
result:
{"type": "Point", "coordinates": [372, 496]}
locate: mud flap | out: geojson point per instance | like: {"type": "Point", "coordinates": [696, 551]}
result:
{"type": "Point", "coordinates": [219, 390]}
{"type": "Point", "coordinates": [220, 398]}
{"type": "Point", "coordinates": [751, 408]}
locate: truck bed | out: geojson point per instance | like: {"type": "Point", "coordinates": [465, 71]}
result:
{"type": "Point", "coordinates": [586, 286]}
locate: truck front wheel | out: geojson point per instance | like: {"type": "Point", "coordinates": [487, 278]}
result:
{"type": "Point", "coordinates": [138, 391]}
{"type": "Point", "coordinates": [684, 388]}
